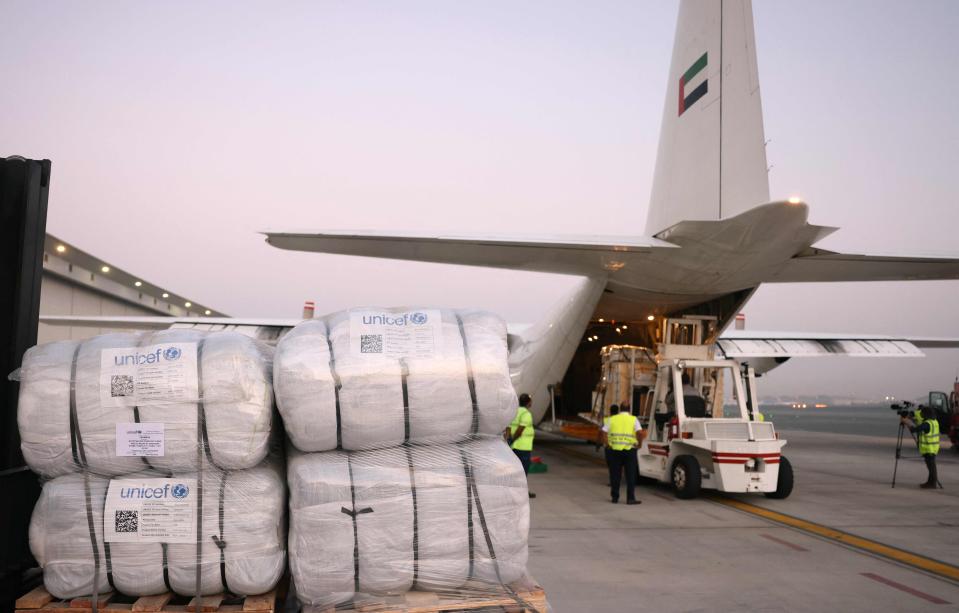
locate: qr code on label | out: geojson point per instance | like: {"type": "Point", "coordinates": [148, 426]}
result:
{"type": "Point", "coordinates": [125, 521]}
{"type": "Point", "coordinates": [121, 385]}
{"type": "Point", "coordinates": [371, 343]}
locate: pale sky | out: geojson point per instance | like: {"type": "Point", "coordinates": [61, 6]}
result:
{"type": "Point", "coordinates": [178, 130]}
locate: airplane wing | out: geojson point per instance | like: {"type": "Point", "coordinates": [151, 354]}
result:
{"type": "Point", "coordinates": [584, 255]}
{"type": "Point", "coordinates": [160, 322]}
{"type": "Point", "coordinates": [743, 344]}
{"type": "Point", "coordinates": [589, 255]}
{"type": "Point", "coordinates": [823, 265]}
{"type": "Point", "coordinates": [767, 350]}
{"type": "Point", "coordinates": [264, 329]}
{"type": "Point", "coordinates": [256, 327]}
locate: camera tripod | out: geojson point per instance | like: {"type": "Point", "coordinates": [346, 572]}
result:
{"type": "Point", "coordinates": [899, 439]}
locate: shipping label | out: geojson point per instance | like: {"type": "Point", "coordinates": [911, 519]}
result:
{"type": "Point", "coordinates": [152, 374]}
{"type": "Point", "coordinates": [150, 511]}
{"type": "Point", "coordinates": [411, 334]}
{"type": "Point", "coordinates": [140, 439]}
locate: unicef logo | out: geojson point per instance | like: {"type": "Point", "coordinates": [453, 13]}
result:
{"type": "Point", "coordinates": [418, 318]}
{"type": "Point", "coordinates": [180, 490]}
{"type": "Point", "coordinates": [172, 353]}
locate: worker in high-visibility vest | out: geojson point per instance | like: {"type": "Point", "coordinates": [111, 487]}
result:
{"type": "Point", "coordinates": [925, 423]}
{"type": "Point", "coordinates": [520, 434]}
{"type": "Point", "coordinates": [622, 435]}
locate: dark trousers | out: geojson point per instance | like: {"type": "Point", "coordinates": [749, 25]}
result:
{"type": "Point", "coordinates": [930, 459]}
{"type": "Point", "coordinates": [524, 457]}
{"type": "Point", "coordinates": [618, 462]}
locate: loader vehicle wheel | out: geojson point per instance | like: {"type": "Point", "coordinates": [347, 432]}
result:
{"type": "Point", "coordinates": [784, 485]}
{"type": "Point", "coordinates": [687, 477]}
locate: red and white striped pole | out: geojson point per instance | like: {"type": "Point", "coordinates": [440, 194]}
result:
{"type": "Point", "coordinates": [308, 308]}
{"type": "Point", "coordinates": [740, 321]}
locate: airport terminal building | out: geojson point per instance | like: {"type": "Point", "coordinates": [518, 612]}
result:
{"type": "Point", "coordinates": [79, 283]}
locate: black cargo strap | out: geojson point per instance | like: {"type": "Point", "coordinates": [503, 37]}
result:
{"type": "Point", "coordinates": [93, 540]}
{"type": "Point", "coordinates": [218, 539]}
{"type": "Point", "coordinates": [405, 375]}
{"type": "Point", "coordinates": [136, 419]}
{"type": "Point", "coordinates": [106, 557]}
{"type": "Point", "coordinates": [353, 512]}
{"type": "Point", "coordinates": [76, 441]}
{"type": "Point", "coordinates": [474, 427]}
{"type": "Point", "coordinates": [206, 440]}
{"type": "Point", "coordinates": [473, 491]}
{"type": "Point", "coordinates": [467, 472]}
{"type": "Point", "coordinates": [471, 485]}
{"type": "Point", "coordinates": [416, 519]}
{"type": "Point", "coordinates": [201, 451]}
{"type": "Point", "coordinates": [166, 568]}
{"type": "Point", "coordinates": [337, 386]}
{"type": "Point", "coordinates": [80, 459]}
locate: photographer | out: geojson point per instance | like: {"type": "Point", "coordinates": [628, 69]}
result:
{"type": "Point", "coordinates": [925, 423]}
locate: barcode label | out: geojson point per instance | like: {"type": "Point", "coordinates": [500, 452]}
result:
{"type": "Point", "coordinates": [371, 343]}
{"type": "Point", "coordinates": [121, 385]}
{"type": "Point", "coordinates": [126, 521]}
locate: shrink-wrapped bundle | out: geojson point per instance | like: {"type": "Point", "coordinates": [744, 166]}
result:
{"type": "Point", "coordinates": [426, 517]}
{"type": "Point", "coordinates": [373, 378]}
{"type": "Point", "coordinates": [119, 403]}
{"type": "Point", "coordinates": [138, 533]}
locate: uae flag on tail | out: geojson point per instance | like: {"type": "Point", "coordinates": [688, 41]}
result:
{"type": "Point", "coordinates": [693, 85]}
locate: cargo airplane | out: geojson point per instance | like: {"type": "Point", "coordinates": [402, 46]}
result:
{"type": "Point", "coordinates": [712, 234]}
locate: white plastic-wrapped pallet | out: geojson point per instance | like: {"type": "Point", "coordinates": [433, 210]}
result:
{"type": "Point", "coordinates": [118, 403]}
{"type": "Point", "coordinates": [372, 378]}
{"type": "Point", "coordinates": [138, 533]}
{"type": "Point", "coordinates": [385, 521]}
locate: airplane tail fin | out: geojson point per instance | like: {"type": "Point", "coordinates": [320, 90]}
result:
{"type": "Point", "coordinates": [711, 162]}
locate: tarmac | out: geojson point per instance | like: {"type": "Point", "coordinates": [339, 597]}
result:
{"type": "Point", "coordinates": [843, 541]}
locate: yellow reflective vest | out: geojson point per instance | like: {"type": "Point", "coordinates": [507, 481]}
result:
{"type": "Point", "coordinates": [929, 441]}
{"type": "Point", "coordinates": [622, 432]}
{"type": "Point", "coordinates": [525, 441]}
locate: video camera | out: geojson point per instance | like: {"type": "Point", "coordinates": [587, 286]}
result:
{"type": "Point", "coordinates": [904, 409]}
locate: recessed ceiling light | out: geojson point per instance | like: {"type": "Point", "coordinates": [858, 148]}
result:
{"type": "Point", "coordinates": [61, 248]}
{"type": "Point", "coordinates": [105, 269]}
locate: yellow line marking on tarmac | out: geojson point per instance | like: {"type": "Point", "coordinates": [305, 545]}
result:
{"type": "Point", "coordinates": [893, 553]}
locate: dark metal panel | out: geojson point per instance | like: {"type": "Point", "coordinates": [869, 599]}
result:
{"type": "Point", "coordinates": [24, 187]}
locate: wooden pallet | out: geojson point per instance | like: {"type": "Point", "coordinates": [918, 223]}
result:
{"type": "Point", "coordinates": [39, 600]}
{"type": "Point", "coordinates": [529, 598]}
